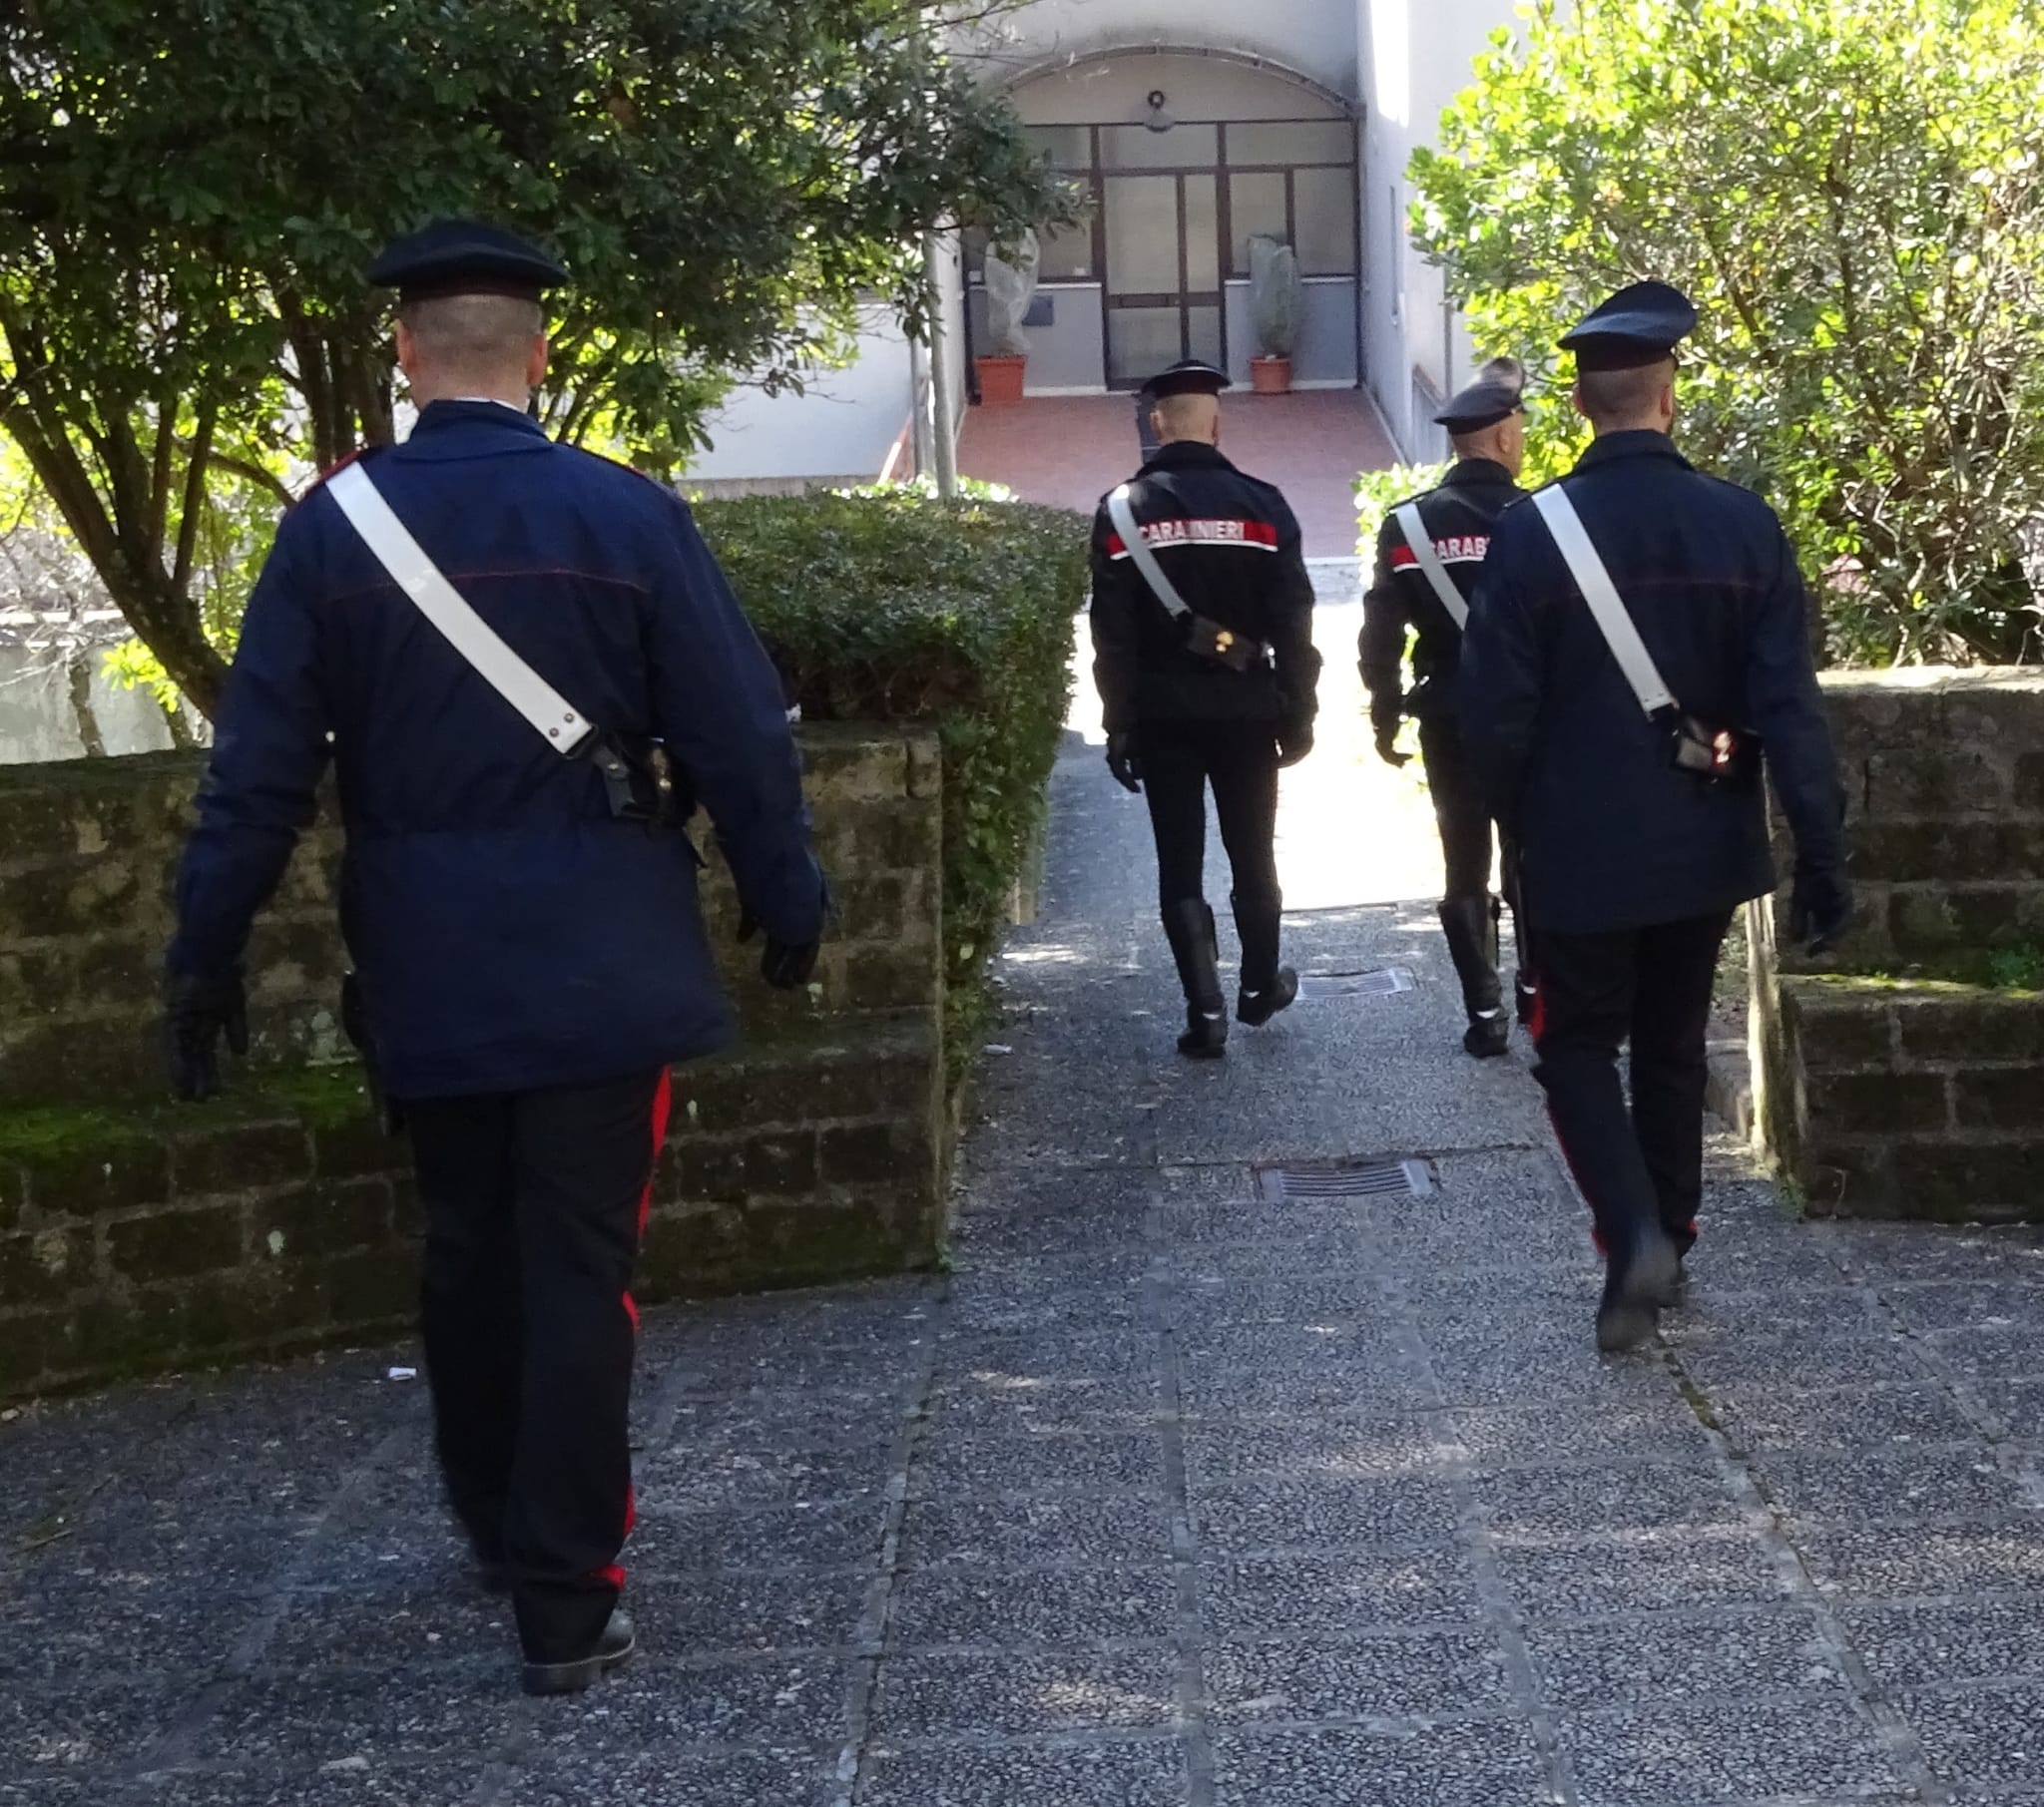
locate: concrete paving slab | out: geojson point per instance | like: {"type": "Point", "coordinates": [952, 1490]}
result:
{"type": "Point", "coordinates": [1063, 1609]}
{"type": "Point", "coordinates": [1727, 1750]}
{"type": "Point", "coordinates": [1252, 1598]}
{"type": "Point", "coordinates": [659, 1774]}
{"type": "Point", "coordinates": [1661, 1569]}
{"type": "Point", "coordinates": [1017, 1694]}
{"type": "Point", "coordinates": [1498, 1764]}
{"type": "Point", "coordinates": [1664, 1662]}
{"type": "Point", "coordinates": [1356, 1679]}
{"type": "Point", "coordinates": [1124, 1772]}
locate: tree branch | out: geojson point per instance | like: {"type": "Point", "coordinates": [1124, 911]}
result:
{"type": "Point", "coordinates": [194, 511]}
{"type": "Point", "coordinates": [160, 479]}
{"type": "Point", "coordinates": [248, 471]}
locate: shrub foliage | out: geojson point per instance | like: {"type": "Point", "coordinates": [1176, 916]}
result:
{"type": "Point", "coordinates": [1851, 190]}
{"type": "Point", "coordinates": [897, 608]}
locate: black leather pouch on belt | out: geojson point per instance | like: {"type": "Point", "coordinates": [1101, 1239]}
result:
{"type": "Point", "coordinates": [1210, 640]}
{"type": "Point", "coordinates": [1716, 755]}
{"type": "Point", "coordinates": [638, 780]}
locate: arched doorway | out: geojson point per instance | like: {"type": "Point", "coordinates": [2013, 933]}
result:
{"type": "Point", "coordinates": [1185, 155]}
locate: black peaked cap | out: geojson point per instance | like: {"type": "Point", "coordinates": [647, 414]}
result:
{"type": "Point", "coordinates": [1499, 390]}
{"type": "Point", "coordinates": [1189, 377]}
{"type": "Point", "coordinates": [1641, 324]}
{"type": "Point", "coordinates": [465, 258]}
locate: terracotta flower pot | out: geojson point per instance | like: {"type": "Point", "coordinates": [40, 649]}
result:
{"type": "Point", "coordinates": [1270, 375]}
{"type": "Point", "coordinates": [1000, 380]}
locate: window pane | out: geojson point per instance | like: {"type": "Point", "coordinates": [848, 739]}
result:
{"type": "Point", "coordinates": [1325, 200]}
{"type": "Point", "coordinates": [1204, 328]}
{"type": "Point", "coordinates": [1138, 148]}
{"type": "Point", "coordinates": [1318, 141]}
{"type": "Point", "coordinates": [1257, 207]}
{"type": "Point", "coordinates": [1142, 234]}
{"type": "Point", "coordinates": [1068, 147]}
{"type": "Point", "coordinates": [1068, 255]}
{"type": "Point", "coordinates": [1141, 341]}
{"type": "Point", "coordinates": [1203, 234]}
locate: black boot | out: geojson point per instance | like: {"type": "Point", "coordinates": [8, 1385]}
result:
{"type": "Point", "coordinates": [1471, 927]}
{"type": "Point", "coordinates": [1526, 979]}
{"type": "Point", "coordinates": [1189, 926]}
{"type": "Point", "coordinates": [1682, 1237]}
{"type": "Point", "coordinates": [1259, 1007]}
{"type": "Point", "coordinates": [613, 1648]}
{"type": "Point", "coordinates": [1638, 1283]}
{"type": "Point", "coordinates": [1266, 987]}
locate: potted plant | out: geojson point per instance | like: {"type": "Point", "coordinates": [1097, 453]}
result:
{"type": "Point", "coordinates": [1277, 302]}
{"type": "Point", "coordinates": [1011, 271]}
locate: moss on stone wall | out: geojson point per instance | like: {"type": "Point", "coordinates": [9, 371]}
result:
{"type": "Point", "coordinates": [323, 1097]}
{"type": "Point", "coordinates": [56, 1130]}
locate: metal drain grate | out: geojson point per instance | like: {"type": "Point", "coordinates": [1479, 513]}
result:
{"type": "Point", "coordinates": [1346, 1180]}
{"type": "Point", "coordinates": [1383, 982]}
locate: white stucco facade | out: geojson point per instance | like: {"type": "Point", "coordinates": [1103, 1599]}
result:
{"type": "Point", "coordinates": [1314, 38]}
{"type": "Point", "coordinates": [1417, 54]}
{"type": "Point", "coordinates": [1336, 92]}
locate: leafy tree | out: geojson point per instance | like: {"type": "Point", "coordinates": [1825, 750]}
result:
{"type": "Point", "coordinates": [1851, 190]}
{"type": "Point", "coordinates": [190, 190]}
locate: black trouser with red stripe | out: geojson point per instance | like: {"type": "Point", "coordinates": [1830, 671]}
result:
{"type": "Point", "coordinates": [1651, 986]}
{"type": "Point", "coordinates": [535, 1202]}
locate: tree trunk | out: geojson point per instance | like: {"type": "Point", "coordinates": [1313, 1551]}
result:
{"type": "Point", "coordinates": [168, 625]}
{"type": "Point", "coordinates": [78, 672]}
{"type": "Point", "coordinates": [182, 735]}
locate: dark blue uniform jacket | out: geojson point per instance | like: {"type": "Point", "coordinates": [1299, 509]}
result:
{"type": "Point", "coordinates": [1612, 835]}
{"type": "Point", "coordinates": [1458, 516]}
{"type": "Point", "coordinates": [1230, 546]}
{"type": "Point", "coordinates": [509, 933]}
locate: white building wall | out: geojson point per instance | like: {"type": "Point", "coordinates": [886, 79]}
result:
{"type": "Point", "coordinates": [38, 721]}
{"type": "Point", "coordinates": [842, 428]}
{"type": "Point", "coordinates": [1417, 54]}
{"type": "Point", "coordinates": [1314, 37]}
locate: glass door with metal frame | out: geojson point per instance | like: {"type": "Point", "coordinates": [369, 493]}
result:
{"type": "Point", "coordinates": [1161, 239]}
{"type": "Point", "coordinates": [1173, 209]}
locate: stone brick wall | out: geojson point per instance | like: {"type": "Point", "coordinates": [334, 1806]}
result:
{"type": "Point", "coordinates": [136, 1233]}
{"type": "Point", "coordinates": [1897, 1085]}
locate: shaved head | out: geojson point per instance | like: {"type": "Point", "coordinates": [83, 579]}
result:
{"type": "Point", "coordinates": [1188, 418]}
{"type": "Point", "coordinates": [1614, 401]}
{"type": "Point", "coordinates": [1503, 442]}
{"type": "Point", "coordinates": [453, 346]}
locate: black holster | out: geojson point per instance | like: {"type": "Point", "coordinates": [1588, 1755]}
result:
{"type": "Point", "coordinates": [1210, 640]}
{"type": "Point", "coordinates": [1714, 754]}
{"type": "Point", "coordinates": [639, 779]}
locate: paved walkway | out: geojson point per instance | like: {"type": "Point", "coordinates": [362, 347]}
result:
{"type": "Point", "coordinates": [1069, 450]}
{"type": "Point", "coordinates": [1168, 1495]}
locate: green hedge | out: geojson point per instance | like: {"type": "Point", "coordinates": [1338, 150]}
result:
{"type": "Point", "coordinates": [898, 607]}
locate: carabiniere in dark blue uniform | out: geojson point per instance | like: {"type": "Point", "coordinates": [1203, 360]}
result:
{"type": "Point", "coordinates": [1640, 836]}
{"type": "Point", "coordinates": [1485, 423]}
{"type": "Point", "coordinates": [1220, 696]}
{"type": "Point", "coordinates": [529, 949]}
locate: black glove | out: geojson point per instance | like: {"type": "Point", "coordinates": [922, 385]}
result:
{"type": "Point", "coordinates": [787, 966]}
{"type": "Point", "coordinates": [1295, 743]}
{"type": "Point", "coordinates": [1122, 762]}
{"type": "Point", "coordinates": [1387, 744]}
{"type": "Point", "coordinates": [196, 1012]}
{"type": "Point", "coordinates": [1820, 908]}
